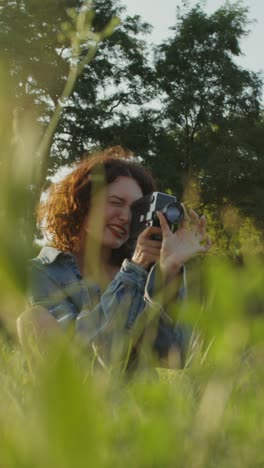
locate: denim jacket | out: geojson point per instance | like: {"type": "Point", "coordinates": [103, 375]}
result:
{"type": "Point", "coordinates": [56, 284]}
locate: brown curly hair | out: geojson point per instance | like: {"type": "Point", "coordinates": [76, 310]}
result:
{"type": "Point", "coordinates": [62, 214]}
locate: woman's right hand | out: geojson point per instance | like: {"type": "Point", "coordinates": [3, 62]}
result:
{"type": "Point", "coordinates": [147, 250]}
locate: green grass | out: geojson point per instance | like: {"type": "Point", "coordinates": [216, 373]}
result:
{"type": "Point", "coordinates": [64, 413]}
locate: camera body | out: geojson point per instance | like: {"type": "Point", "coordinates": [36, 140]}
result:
{"type": "Point", "coordinates": [144, 212]}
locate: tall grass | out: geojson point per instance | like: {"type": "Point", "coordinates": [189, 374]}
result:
{"type": "Point", "coordinates": [67, 412]}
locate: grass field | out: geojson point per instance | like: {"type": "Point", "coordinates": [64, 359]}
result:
{"type": "Point", "coordinates": [64, 412]}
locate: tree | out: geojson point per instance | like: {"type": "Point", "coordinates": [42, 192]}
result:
{"type": "Point", "coordinates": [111, 91]}
{"type": "Point", "coordinates": [38, 56]}
{"type": "Point", "coordinates": [28, 37]}
{"type": "Point", "coordinates": [210, 128]}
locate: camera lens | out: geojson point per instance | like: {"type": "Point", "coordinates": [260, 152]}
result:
{"type": "Point", "coordinates": [173, 212]}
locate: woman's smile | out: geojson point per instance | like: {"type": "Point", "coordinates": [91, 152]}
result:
{"type": "Point", "coordinates": [118, 231]}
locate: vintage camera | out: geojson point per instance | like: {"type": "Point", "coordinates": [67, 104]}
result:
{"type": "Point", "coordinates": [144, 212]}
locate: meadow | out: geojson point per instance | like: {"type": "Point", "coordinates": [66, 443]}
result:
{"type": "Point", "coordinates": [63, 410]}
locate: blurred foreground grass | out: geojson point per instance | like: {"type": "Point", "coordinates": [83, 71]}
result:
{"type": "Point", "coordinates": [210, 414]}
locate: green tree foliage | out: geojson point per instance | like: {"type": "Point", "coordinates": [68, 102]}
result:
{"type": "Point", "coordinates": [212, 123]}
{"type": "Point", "coordinates": [29, 36]}
{"type": "Point", "coordinates": [112, 89]}
{"type": "Point", "coordinates": [36, 47]}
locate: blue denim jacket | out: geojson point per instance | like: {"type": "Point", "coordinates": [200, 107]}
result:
{"type": "Point", "coordinates": [56, 283]}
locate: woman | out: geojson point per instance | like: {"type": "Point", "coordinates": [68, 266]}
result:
{"type": "Point", "coordinates": [89, 276]}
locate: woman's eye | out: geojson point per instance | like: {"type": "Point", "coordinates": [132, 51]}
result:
{"type": "Point", "coordinates": [115, 202]}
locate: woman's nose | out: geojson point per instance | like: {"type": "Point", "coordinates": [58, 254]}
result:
{"type": "Point", "coordinates": [125, 215]}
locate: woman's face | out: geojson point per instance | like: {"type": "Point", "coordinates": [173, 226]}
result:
{"type": "Point", "coordinates": [119, 196]}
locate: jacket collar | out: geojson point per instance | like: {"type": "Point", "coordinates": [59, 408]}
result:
{"type": "Point", "coordinates": [48, 254]}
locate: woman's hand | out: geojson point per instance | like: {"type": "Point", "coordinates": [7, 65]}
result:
{"type": "Point", "coordinates": [189, 240]}
{"type": "Point", "coordinates": [147, 250]}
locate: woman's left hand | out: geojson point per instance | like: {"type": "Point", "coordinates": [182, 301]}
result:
{"type": "Point", "coordinates": [189, 240]}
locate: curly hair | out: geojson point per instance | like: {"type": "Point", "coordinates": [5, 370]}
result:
{"type": "Point", "coordinates": [62, 214]}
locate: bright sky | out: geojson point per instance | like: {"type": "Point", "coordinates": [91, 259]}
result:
{"type": "Point", "coordinates": [162, 14]}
